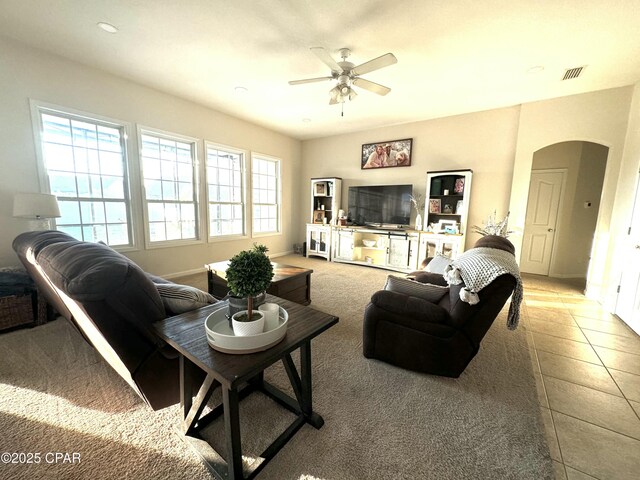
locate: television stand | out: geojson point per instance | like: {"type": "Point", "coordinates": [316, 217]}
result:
{"type": "Point", "coordinates": [394, 248]}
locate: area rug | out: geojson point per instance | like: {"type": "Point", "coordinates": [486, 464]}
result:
{"type": "Point", "coordinates": [58, 397]}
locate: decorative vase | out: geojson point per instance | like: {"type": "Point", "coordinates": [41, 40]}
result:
{"type": "Point", "coordinates": [237, 304]}
{"type": "Point", "coordinates": [418, 222]}
{"type": "Point", "coordinates": [246, 328]}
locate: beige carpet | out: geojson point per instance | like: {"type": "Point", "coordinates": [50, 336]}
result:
{"type": "Point", "coordinates": [381, 422]}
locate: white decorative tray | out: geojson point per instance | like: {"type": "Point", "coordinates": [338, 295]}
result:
{"type": "Point", "coordinates": [220, 334]}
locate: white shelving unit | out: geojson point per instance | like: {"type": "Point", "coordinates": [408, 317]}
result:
{"type": "Point", "coordinates": [447, 203]}
{"type": "Point", "coordinates": [325, 203]}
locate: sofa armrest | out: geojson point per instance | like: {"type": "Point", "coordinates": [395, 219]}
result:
{"type": "Point", "coordinates": [413, 307]}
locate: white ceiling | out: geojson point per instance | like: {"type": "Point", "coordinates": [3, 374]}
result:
{"type": "Point", "coordinates": [454, 56]}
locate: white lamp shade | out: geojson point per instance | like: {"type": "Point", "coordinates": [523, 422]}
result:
{"type": "Point", "coordinates": [35, 205]}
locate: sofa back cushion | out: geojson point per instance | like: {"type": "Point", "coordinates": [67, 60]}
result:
{"type": "Point", "coordinates": [91, 272]}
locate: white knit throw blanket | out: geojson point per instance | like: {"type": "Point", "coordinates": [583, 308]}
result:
{"type": "Point", "coordinates": [479, 267]}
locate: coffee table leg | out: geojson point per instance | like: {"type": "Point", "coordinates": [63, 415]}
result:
{"type": "Point", "coordinates": [232, 433]}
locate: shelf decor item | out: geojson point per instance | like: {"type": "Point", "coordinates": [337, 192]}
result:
{"type": "Point", "coordinates": [418, 204]}
{"type": "Point", "coordinates": [493, 227]}
{"type": "Point", "coordinates": [459, 185]}
{"type": "Point", "coordinates": [434, 205]}
{"type": "Point", "coordinates": [320, 188]}
{"type": "Point", "coordinates": [249, 273]}
{"type": "Point", "coordinates": [393, 153]}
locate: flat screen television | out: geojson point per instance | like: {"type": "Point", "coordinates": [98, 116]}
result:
{"type": "Point", "coordinates": [380, 206]}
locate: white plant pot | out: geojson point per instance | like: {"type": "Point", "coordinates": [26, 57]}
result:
{"type": "Point", "coordinates": [245, 329]}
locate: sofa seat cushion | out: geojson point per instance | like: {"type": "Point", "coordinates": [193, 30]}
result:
{"type": "Point", "coordinates": [183, 298]}
{"type": "Point", "coordinates": [91, 273]}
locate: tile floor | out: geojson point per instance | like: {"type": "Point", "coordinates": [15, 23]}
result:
{"type": "Point", "coordinates": [587, 364]}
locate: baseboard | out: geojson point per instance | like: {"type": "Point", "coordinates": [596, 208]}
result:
{"type": "Point", "coordinates": [195, 271]}
{"type": "Point", "coordinates": [567, 275]}
{"type": "Point", "coordinates": [288, 252]}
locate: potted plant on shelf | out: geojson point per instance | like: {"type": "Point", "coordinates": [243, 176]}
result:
{"type": "Point", "coordinates": [249, 273]}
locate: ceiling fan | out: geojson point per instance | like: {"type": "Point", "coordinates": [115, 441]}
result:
{"type": "Point", "coordinates": [348, 75]}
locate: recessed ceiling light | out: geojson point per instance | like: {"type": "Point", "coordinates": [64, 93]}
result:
{"type": "Point", "coordinates": [536, 69]}
{"type": "Point", "coordinates": [306, 120]}
{"type": "Point", "coordinates": [107, 27]}
{"type": "Point", "coordinates": [241, 90]}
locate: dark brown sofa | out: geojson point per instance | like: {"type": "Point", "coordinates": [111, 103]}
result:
{"type": "Point", "coordinates": [441, 338]}
{"type": "Point", "coordinates": [111, 302]}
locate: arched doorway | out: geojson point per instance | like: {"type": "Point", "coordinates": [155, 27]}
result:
{"type": "Point", "coordinates": [562, 209]}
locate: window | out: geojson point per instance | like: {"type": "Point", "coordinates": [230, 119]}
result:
{"type": "Point", "coordinates": [170, 187]}
{"type": "Point", "coordinates": [85, 162]}
{"type": "Point", "coordinates": [266, 195]}
{"type": "Point", "coordinates": [225, 191]}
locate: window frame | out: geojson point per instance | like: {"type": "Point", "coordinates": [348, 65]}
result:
{"type": "Point", "coordinates": [38, 108]}
{"type": "Point", "coordinates": [245, 185]}
{"type": "Point", "coordinates": [149, 244]}
{"type": "Point", "coordinates": [278, 162]}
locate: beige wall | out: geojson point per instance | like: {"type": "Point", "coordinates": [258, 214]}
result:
{"type": "Point", "coordinates": [29, 74]}
{"type": "Point", "coordinates": [599, 117]}
{"type": "Point", "coordinates": [585, 164]}
{"type": "Point", "coordinates": [483, 142]}
{"type": "Point", "coordinates": [622, 245]}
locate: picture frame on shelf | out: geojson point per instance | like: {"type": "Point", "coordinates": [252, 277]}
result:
{"type": "Point", "coordinates": [318, 216]}
{"type": "Point", "coordinates": [459, 186]}
{"type": "Point", "coordinates": [320, 189]}
{"type": "Point", "coordinates": [392, 153]}
{"type": "Point", "coordinates": [449, 226]}
{"type": "Point", "coordinates": [459, 206]}
{"type": "Point", "coordinates": [434, 205]}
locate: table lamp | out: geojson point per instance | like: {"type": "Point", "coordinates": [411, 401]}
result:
{"type": "Point", "coordinates": [38, 207]}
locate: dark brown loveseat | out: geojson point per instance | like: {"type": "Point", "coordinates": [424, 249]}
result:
{"type": "Point", "coordinates": [111, 302]}
{"type": "Point", "coordinates": [440, 338]}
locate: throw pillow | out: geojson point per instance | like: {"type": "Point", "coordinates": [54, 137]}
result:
{"type": "Point", "coordinates": [426, 291]}
{"type": "Point", "coordinates": [438, 264]}
{"type": "Point", "coordinates": [183, 298]}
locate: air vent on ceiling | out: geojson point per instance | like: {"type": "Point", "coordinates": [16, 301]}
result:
{"type": "Point", "coordinates": [571, 73]}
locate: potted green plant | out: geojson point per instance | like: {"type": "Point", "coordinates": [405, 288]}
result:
{"type": "Point", "coordinates": [249, 273]}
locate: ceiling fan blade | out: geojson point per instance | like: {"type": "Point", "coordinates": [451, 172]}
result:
{"type": "Point", "coordinates": [375, 64]}
{"type": "Point", "coordinates": [309, 80]}
{"type": "Point", "coordinates": [371, 86]}
{"type": "Point", "coordinates": [324, 57]}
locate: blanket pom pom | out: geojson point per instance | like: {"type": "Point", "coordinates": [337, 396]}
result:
{"type": "Point", "coordinates": [452, 275]}
{"type": "Point", "coordinates": [468, 296]}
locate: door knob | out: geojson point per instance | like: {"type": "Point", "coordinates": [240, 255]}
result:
{"type": "Point", "coordinates": [549, 229]}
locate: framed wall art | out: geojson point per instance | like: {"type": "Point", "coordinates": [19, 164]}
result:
{"type": "Point", "coordinates": [393, 153]}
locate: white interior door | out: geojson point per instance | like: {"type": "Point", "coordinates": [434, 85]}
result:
{"type": "Point", "coordinates": [628, 304]}
{"type": "Point", "coordinates": [545, 193]}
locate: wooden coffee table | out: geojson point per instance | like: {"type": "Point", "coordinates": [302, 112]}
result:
{"type": "Point", "coordinates": [289, 282]}
{"type": "Point", "coordinates": [238, 376]}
